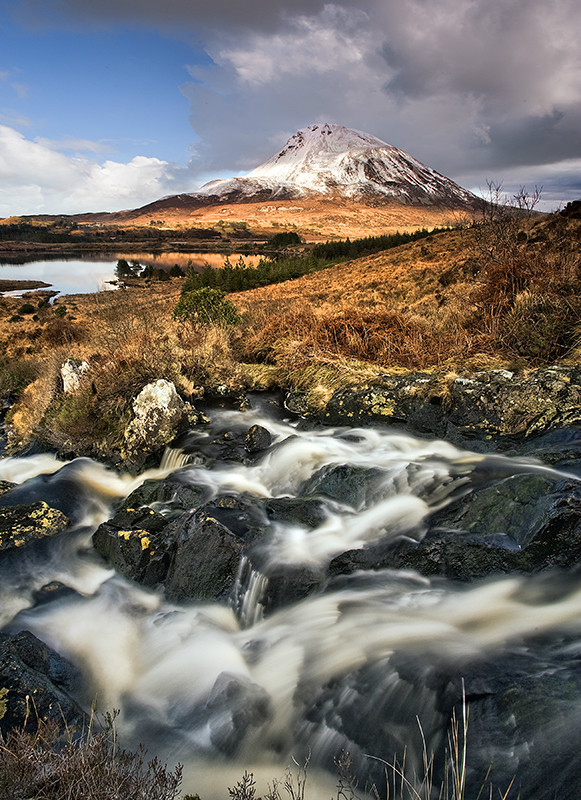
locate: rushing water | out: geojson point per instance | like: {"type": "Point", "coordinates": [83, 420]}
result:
{"type": "Point", "coordinates": [372, 663]}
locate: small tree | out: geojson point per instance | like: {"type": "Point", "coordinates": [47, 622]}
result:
{"type": "Point", "coordinates": [206, 305]}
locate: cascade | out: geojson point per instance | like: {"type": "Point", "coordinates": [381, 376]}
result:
{"type": "Point", "coordinates": [352, 615]}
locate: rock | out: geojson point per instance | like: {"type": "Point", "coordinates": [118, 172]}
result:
{"type": "Point", "coordinates": [65, 490]}
{"type": "Point", "coordinates": [135, 543]}
{"type": "Point", "coordinates": [193, 556]}
{"type": "Point", "coordinates": [257, 439]}
{"type": "Point", "coordinates": [234, 707]}
{"type": "Point", "coordinates": [159, 412]}
{"type": "Point", "coordinates": [345, 483]}
{"type": "Point", "coordinates": [526, 523]}
{"type": "Point", "coordinates": [174, 494]}
{"type": "Point", "coordinates": [37, 682]}
{"type": "Point", "coordinates": [6, 486]}
{"type": "Point", "coordinates": [494, 407]}
{"type": "Point", "coordinates": [290, 584]}
{"type": "Point", "coordinates": [22, 524]}
{"type": "Point", "coordinates": [205, 562]}
{"type": "Point", "coordinates": [72, 372]}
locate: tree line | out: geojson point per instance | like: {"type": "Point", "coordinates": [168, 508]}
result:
{"type": "Point", "coordinates": [276, 269]}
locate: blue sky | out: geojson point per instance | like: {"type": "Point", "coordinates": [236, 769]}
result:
{"type": "Point", "coordinates": [109, 104]}
{"type": "Point", "coordinates": [118, 89]}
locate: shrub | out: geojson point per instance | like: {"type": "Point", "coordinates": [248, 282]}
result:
{"type": "Point", "coordinates": [206, 305]}
{"type": "Point", "coordinates": [176, 271]}
{"type": "Point", "coordinates": [45, 765]}
{"type": "Point", "coordinates": [16, 374]}
{"type": "Point", "coordinates": [60, 311]}
{"type": "Point", "coordinates": [26, 308]}
{"type": "Point", "coordinates": [284, 239]}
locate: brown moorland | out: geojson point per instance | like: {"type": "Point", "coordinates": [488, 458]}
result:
{"type": "Point", "coordinates": [501, 293]}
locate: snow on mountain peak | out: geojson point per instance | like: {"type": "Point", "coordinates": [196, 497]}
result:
{"type": "Point", "coordinates": [334, 161]}
{"type": "Point", "coordinates": [314, 149]}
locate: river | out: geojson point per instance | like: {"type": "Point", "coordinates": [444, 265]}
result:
{"type": "Point", "coordinates": [372, 661]}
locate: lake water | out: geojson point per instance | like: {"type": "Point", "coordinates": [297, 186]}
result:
{"type": "Point", "coordinates": [93, 274]}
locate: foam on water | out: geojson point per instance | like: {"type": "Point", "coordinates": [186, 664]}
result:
{"type": "Point", "coordinates": [208, 682]}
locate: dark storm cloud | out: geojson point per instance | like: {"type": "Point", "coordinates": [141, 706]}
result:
{"type": "Point", "coordinates": [218, 15]}
{"type": "Point", "coordinates": [531, 140]}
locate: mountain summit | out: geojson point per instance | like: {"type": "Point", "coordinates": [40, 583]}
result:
{"type": "Point", "coordinates": [332, 161]}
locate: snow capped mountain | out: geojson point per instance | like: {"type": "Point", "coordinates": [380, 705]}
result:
{"type": "Point", "coordinates": [337, 162]}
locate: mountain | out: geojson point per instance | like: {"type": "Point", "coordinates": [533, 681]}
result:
{"type": "Point", "coordinates": [334, 161]}
{"type": "Point", "coordinates": [328, 163]}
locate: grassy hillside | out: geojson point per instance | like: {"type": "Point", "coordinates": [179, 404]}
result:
{"type": "Point", "coordinates": [502, 293]}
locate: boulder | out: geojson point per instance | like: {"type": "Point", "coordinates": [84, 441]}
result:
{"type": "Point", "coordinates": [352, 485]}
{"type": "Point", "coordinates": [37, 684]}
{"type": "Point", "coordinates": [235, 706]}
{"type": "Point", "coordinates": [194, 556]}
{"type": "Point", "coordinates": [205, 560]}
{"type": "Point", "coordinates": [525, 523]}
{"type": "Point", "coordinates": [257, 439]}
{"type": "Point", "coordinates": [22, 524]}
{"type": "Point", "coordinates": [159, 413]}
{"type": "Point", "coordinates": [134, 541]}
{"type": "Point", "coordinates": [72, 372]}
{"type": "Point", "coordinates": [484, 408]}
{"type": "Point", "coordinates": [174, 494]}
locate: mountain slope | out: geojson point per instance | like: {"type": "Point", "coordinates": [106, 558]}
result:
{"type": "Point", "coordinates": [329, 162]}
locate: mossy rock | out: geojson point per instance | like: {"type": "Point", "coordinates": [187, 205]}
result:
{"type": "Point", "coordinates": [22, 524]}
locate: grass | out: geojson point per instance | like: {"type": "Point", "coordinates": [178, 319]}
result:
{"type": "Point", "coordinates": [47, 763]}
{"type": "Point", "coordinates": [501, 293]}
{"type": "Point", "coordinates": [400, 783]}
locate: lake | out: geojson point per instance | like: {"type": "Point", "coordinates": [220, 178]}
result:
{"type": "Point", "coordinates": [93, 273]}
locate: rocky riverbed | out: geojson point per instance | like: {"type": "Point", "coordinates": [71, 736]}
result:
{"type": "Point", "coordinates": [278, 587]}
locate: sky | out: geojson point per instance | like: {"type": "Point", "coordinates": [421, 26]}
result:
{"type": "Point", "coordinates": [111, 104]}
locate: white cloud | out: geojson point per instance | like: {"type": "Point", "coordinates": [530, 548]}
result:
{"type": "Point", "coordinates": [36, 178]}
{"type": "Point", "coordinates": [334, 41]}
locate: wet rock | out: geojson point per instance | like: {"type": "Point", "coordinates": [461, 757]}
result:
{"type": "Point", "coordinates": [134, 541]}
{"type": "Point", "coordinates": [234, 707]}
{"type": "Point", "coordinates": [174, 494]}
{"type": "Point", "coordinates": [36, 681]}
{"type": "Point", "coordinates": [523, 716]}
{"type": "Point", "coordinates": [65, 490]}
{"type": "Point", "coordinates": [159, 412]}
{"type": "Point", "coordinates": [55, 590]}
{"type": "Point", "coordinates": [22, 524]}
{"type": "Point", "coordinates": [295, 510]}
{"type": "Point", "coordinates": [205, 560]}
{"type": "Point", "coordinates": [345, 483]}
{"type": "Point", "coordinates": [516, 507]}
{"type": "Point", "coordinates": [194, 555]}
{"type": "Point", "coordinates": [257, 439]}
{"type": "Point", "coordinates": [243, 515]}
{"type": "Point", "coordinates": [5, 486]}
{"type": "Point", "coordinates": [290, 584]}
{"type": "Point", "coordinates": [494, 406]}
{"type": "Point", "coordinates": [502, 529]}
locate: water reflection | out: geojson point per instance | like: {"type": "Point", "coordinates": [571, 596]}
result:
{"type": "Point", "coordinates": [94, 274]}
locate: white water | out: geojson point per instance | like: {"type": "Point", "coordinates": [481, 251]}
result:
{"type": "Point", "coordinates": [296, 670]}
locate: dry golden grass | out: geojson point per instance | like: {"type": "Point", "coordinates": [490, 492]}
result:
{"type": "Point", "coordinates": [455, 301]}
{"type": "Point", "coordinates": [315, 219]}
